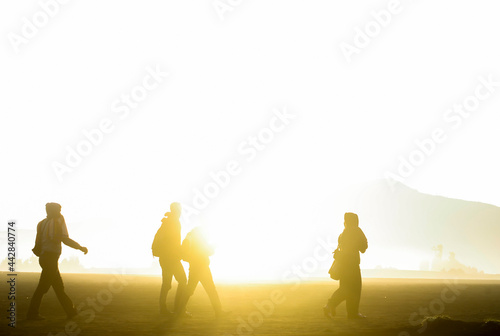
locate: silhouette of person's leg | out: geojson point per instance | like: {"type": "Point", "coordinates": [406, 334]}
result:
{"type": "Point", "coordinates": [207, 281]}
{"type": "Point", "coordinates": [339, 295]}
{"type": "Point", "coordinates": [194, 278]}
{"type": "Point", "coordinates": [354, 293]}
{"type": "Point", "coordinates": [58, 286]}
{"type": "Point", "coordinates": [42, 288]}
{"type": "Point", "coordinates": [166, 284]}
{"type": "Point", "coordinates": [180, 277]}
{"type": "Point", "coordinates": [63, 298]}
{"type": "Point", "coordinates": [349, 290]}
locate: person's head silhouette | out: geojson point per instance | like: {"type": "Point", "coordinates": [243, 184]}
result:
{"type": "Point", "coordinates": [175, 209]}
{"type": "Point", "coordinates": [351, 220]}
{"type": "Point", "coordinates": [53, 210]}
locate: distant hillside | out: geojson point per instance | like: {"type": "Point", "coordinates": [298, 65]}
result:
{"type": "Point", "coordinates": [413, 220]}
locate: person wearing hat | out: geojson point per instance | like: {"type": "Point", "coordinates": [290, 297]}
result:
{"type": "Point", "coordinates": [50, 232]}
{"type": "Point", "coordinates": [351, 242]}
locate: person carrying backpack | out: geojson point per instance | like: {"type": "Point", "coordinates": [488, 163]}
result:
{"type": "Point", "coordinates": [167, 246]}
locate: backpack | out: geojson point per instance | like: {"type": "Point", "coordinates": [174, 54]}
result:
{"type": "Point", "coordinates": [158, 243]}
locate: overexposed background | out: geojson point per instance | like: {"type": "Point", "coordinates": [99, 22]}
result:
{"type": "Point", "coordinates": [353, 121]}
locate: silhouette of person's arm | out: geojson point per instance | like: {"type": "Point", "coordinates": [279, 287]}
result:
{"type": "Point", "coordinates": [62, 233]}
{"type": "Point", "coordinates": [363, 242]}
{"type": "Point", "coordinates": [71, 243]}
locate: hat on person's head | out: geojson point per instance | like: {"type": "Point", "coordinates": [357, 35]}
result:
{"type": "Point", "coordinates": [351, 219]}
{"type": "Point", "coordinates": [53, 209]}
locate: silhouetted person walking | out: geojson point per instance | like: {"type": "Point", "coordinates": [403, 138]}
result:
{"type": "Point", "coordinates": [167, 246]}
{"type": "Point", "coordinates": [351, 242]}
{"type": "Point", "coordinates": [50, 232]}
{"type": "Point", "coordinates": [197, 251]}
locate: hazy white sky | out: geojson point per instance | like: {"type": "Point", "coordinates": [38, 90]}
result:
{"type": "Point", "coordinates": [327, 118]}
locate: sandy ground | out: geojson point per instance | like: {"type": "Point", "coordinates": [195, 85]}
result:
{"type": "Point", "coordinates": [127, 305]}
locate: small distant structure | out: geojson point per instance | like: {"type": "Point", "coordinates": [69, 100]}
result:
{"type": "Point", "coordinates": [450, 265]}
{"type": "Point", "coordinates": [437, 264]}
